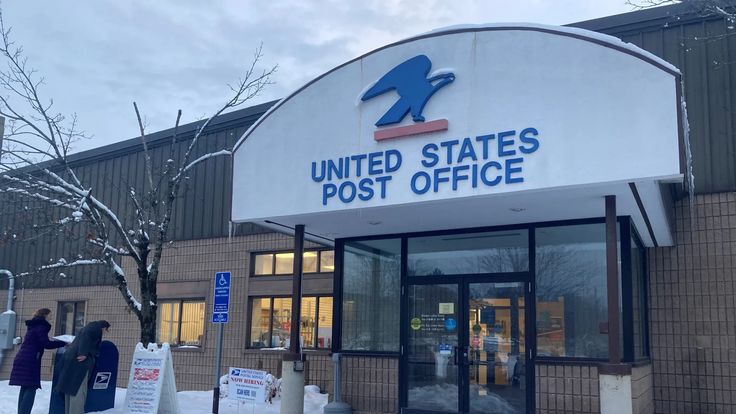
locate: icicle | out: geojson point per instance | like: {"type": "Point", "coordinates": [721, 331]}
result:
{"type": "Point", "coordinates": [689, 175]}
{"type": "Point", "coordinates": [230, 231]}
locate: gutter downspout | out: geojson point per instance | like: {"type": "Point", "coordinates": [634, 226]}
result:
{"type": "Point", "coordinates": [11, 295]}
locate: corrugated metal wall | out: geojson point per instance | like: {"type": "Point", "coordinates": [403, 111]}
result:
{"type": "Point", "coordinates": [704, 49]}
{"type": "Point", "coordinates": [202, 211]}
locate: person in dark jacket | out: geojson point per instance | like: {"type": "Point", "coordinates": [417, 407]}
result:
{"type": "Point", "coordinates": [26, 371]}
{"type": "Point", "coordinates": [77, 363]}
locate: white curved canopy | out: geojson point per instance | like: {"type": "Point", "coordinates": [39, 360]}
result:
{"type": "Point", "coordinates": [538, 123]}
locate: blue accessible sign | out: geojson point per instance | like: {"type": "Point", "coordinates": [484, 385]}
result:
{"type": "Point", "coordinates": [222, 297]}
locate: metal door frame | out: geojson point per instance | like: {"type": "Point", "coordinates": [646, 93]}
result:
{"type": "Point", "coordinates": [463, 283]}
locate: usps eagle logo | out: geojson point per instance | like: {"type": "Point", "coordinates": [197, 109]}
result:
{"type": "Point", "coordinates": [411, 82]}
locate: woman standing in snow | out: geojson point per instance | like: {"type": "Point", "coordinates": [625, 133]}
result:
{"type": "Point", "coordinates": [27, 364]}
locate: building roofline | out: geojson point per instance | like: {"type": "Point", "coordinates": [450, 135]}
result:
{"type": "Point", "coordinates": [619, 22]}
{"type": "Point", "coordinates": [645, 17]}
{"type": "Point", "coordinates": [225, 120]}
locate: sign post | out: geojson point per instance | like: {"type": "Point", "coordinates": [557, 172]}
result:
{"type": "Point", "coordinates": [220, 308]}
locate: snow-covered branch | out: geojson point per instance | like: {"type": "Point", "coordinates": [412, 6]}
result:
{"type": "Point", "coordinates": [202, 159]}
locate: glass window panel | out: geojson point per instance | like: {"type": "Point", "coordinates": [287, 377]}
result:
{"type": "Point", "coordinates": [309, 263]}
{"type": "Point", "coordinates": [571, 291]}
{"type": "Point", "coordinates": [264, 264]}
{"type": "Point", "coordinates": [284, 263]}
{"type": "Point", "coordinates": [192, 323]}
{"type": "Point", "coordinates": [371, 295]}
{"type": "Point", "coordinates": [181, 323]}
{"type": "Point", "coordinates": [70, 317]}
{"type": "Point", "coordinates": [281, 322]}
{"type": "Point", "coordinates": [168, 322]}
{"type": "Point", "coordinates": [309, 321]}
{"type": "Point", "coordinates": [260, 316]}
{"type": "Point", "coordinates": [638, 285]}
{"type": "Point", "coordinates": [324, 333]}
{"type": "Point", "coordinates": [469, 253]}
{"type": "Point", "coordinates": [327, 261]}
{"type": "Point", "coordinates": [79, 309]}
{"type": "Point", "coordinates": [66, 318]}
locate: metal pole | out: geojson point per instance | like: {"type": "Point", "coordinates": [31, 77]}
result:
{"type": "Point", "coordinates": [292, 375]}
{"type": "Point", "coordinates": [614, 351]}
{"type": "Point", "coordinates": [296, 299]}
{"type": "Point", "coordinates": [218, 362]}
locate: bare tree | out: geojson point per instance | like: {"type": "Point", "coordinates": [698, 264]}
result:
{"type": "Point", "coordinates": [723, 8]}
{"type": "Point", "coordinates": [35, 168]}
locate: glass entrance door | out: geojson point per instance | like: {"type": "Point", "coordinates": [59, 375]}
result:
{"type": "Point", "coordinates": [433, 371]}
{"type": "Point", "coordinates": [465, 349]}
{"type": "Point", "coordinates": [496, 348]}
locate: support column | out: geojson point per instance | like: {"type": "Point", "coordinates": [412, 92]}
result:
{"type": "Point", "coordinates": [614, 377]}
{"type": "Point", "coordinates": [296, 294]}
{"type": "Point", "coordinates": [292, 372]}
{"type": "Point", "coordinates": [614, 339]}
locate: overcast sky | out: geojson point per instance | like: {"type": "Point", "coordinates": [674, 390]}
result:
{"type": "Point", "coordinates": [99, 56]}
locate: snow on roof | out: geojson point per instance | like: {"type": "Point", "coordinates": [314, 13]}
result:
{"type": "Point", "coordinates": [600, 37]}
{"type": "Point", "coordinates": [564, 30]}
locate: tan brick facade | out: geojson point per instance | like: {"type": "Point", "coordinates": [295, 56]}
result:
{"type": "Point", "coordinates": [642, 389]}
{"type": "Point", "coordinates": [693, 310]}
{"type": "Point", "coordinates": [567, 388]}
{"type": "Point", "coordinates": [692, 319]}
{"type": "Point", "coordinates": [193, 262]}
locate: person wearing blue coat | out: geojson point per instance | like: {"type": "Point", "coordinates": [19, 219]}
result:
{"type": "Point", "coordinates": [26, 371]}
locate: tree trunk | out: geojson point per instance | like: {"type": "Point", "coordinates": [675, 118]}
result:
{"type": "Point", "coordinates": [148, 325]}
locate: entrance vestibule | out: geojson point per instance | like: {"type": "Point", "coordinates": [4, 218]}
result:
{"type": "Point", "coordinates": [469, 312]}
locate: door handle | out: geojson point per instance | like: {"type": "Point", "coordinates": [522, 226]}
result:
{"type": "Point", "coordinates": [461, 359]}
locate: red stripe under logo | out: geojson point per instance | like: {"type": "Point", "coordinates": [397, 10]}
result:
{"type": "Point", "coordinates": [404, 131]}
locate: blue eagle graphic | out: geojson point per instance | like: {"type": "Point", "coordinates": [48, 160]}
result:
{"type": "Point", "coordinates": [413, 87]}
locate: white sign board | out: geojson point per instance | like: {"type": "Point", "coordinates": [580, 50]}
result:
{"type": "Point", "coordinates": [247, 385]}
{"type": "Point", "coordinates": [501, 110]}
{"type": "Point", "coordinates": [151, 384]}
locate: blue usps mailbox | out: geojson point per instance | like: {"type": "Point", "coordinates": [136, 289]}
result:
{"type": "Point", "coordinates": [102, 382]}
{"type": "Point", "coordinates": [222, 297]}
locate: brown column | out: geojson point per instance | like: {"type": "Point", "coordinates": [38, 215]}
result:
{"type": "Point", "coordinates": [296, 298]}
{"type": "Point", "coordinates": [614, 351]}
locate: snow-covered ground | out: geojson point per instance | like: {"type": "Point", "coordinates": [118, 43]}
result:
{"type": "Point", "coordinates": [190, 402]}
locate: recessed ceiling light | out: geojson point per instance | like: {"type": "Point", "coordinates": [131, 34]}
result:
{"type": "Point", "coordinates": [517, 209]}
{"type": "Point", "coordinates": [374, 222]}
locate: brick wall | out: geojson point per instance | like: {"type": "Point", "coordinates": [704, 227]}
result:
{"type": "Point", "coordinates": [371, 384]}
{"type": "Point", "coordinates": [642, 390]}
{"type": "Point", "coordinates": [567, 388]}
{"type": "Point", "coordinates": [189, 262]}
{"type": "Point", "coordinates": [693, 310]}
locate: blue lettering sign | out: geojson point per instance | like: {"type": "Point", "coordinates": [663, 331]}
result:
{"type": "Point", "coordinates": [455, 163]}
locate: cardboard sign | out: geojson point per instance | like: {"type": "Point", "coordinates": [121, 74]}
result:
{"type": "Point", "coordinates": [247, 385]}
{"type": "Point", "coordinates": [447, 308]}
{"type": "Point", "coordinates": [151, 385]}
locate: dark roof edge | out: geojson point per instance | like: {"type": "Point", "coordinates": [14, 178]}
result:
{"type": "Point", "coordinates": [643, 16]}
{"type": "Point", "coordinates": [237, 116]}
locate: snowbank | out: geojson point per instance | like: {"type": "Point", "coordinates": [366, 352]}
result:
{"type": "Point", "coordinates": [190, 402]}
